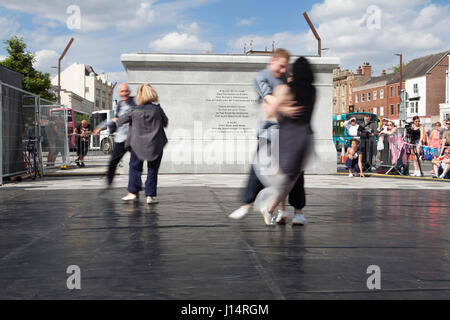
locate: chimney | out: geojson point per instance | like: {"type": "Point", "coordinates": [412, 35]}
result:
{"type": "Point", "coordinates": [383, 73]}
{"type": "Point", "coordinates": [359, 72]}
{"type": "Point", "coordinates": [367, 69]}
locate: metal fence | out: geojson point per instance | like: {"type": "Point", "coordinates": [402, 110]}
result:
{"type": "Point", "coordinates": [25, 116]}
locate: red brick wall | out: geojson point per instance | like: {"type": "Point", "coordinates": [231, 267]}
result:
{"type": "Point", "coordinates": [369, 105]}
{"type": "Point", "coordinates": [436, 87]}
{"type": "Point", "coordinates": [394, 100]}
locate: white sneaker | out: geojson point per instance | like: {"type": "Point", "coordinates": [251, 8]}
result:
{"type": "Point", "coordinates": [239, 213]}
{"type": "Point", "coordinates": [299, 219]}
{"type": "Point", "coordinates": [350, 175]}
{"type": "Point", "coordinates": [268, 218]}
{"type": "Point", "coordinates": [152, 200]}
{"type": "Point", "coordinates": [130, 197]}
{"type": "Point", "coordinates": [441, 176]}
{"type": "Point", "coordinates": [282, 217]}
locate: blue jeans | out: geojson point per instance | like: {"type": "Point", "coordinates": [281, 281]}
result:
{"type": "Point", "coordinates": [135, 182]}
{"type": "Point", "coordinates": [441, 170]}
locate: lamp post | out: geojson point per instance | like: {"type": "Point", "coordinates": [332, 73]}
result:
{"type": "Point", "coordinates": [59, 69]}
{"type": "Point", "coordinates": [403, 95]}
{"type": "Point", "coordinates": [319, 41]}
{"type": "Point", "coordinates": [401, 70]}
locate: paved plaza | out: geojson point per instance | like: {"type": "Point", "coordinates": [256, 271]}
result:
{"type": "Point", "coordinates": [186, 247]}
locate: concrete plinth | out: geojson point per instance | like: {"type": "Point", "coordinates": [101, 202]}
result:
{"type": "Point", "coordinates": [213, 113]}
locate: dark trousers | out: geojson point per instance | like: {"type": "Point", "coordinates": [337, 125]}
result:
{"type": "Point", "coordinates": [367, 148]}
{"type": "Point", "coordinates": [297, 197]}
{"type": "Point", "coordinates": [135, 182]}
{"type": "Point", "coordinates": [117, 155]}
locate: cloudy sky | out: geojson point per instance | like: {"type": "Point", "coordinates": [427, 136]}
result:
{"type": "Point", "coordinates": [354, 30]}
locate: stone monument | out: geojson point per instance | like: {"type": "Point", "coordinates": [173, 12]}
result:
{"type": "Point", "coordinates": [212, 109]}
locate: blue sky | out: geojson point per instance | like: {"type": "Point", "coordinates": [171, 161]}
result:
{"type": "Point", "coordinates": [355, 31]}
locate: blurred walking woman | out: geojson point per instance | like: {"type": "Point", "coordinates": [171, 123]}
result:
{"type": "Point", "coordinates": [147, 139]}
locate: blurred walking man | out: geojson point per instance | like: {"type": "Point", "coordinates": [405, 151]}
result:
{"type": "Point", "coordinates": [124, 106]}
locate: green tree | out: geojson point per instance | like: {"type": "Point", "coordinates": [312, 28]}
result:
{"type": "Point", "coordinates": [397, 68]}
{"type": "Point", "coordinates": [21, 60]}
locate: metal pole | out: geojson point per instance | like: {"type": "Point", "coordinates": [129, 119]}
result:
{"type": "Point", "coordinates": [319, 41]}
{"type": "Point", "coordinates": [401, 72]}
{"type": "Point", "coordinates": [1, 134]}
{"type": "Point", "coordinates": [67, 139]}
{"type": "Point", "coordinates": [59, 68]}
{"type": "Point", "coordinates": [37, 101]}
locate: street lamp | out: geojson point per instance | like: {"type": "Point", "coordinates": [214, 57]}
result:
{"type": "Point", "coordinates": [59, 69]}
{"type": "Point", "coordinates": [403, 95]}
{"type": "Point", "coordinates": [314, 31]}
{"type": "Point", "coordinates": [401, 69]}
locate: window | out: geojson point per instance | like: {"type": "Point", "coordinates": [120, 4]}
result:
{"type": "Point", "coordinates": [86, 90]}
{"type": "Point", "coordinates": [350, 88]}
{"type": "Point", "coordinates": [398, 108]}
{"type": "Point", "coordinates": [392, 109]}
{"type": "Point", "coordinates": [97, 103]}
{"type": "Point", "coordinates": [398, 91]}
{"type": "Point", "coordinates": [356, 98]}
{"type": "Point", "coordinates": [392, 91]}
{"type": "Point", "coordinates": [343, 91]}
{"type": "Point", "coordinates": [375, 110]}
{"type": "Point", "coordinates": [382, 94]}
{"type": "Point", "coordinates": [411, 105]}
{"type": "Point", "coordinates": [368, 96]}
{"type": "Point", "coordinates": [416, 88]}
{"type": "Point", "coordinates": [375, 93]}
{"type": "Point", "coordinates": [417, 106]}
{"type": "Point", "coordinates": [362, 97]}
{"type": "Point", "coordinates": [343, 107]}
{"type": "Point", "coordinates": [381, 111]}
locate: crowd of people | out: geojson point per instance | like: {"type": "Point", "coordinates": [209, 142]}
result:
{"type": "Point", "coordinates": [393, 146]}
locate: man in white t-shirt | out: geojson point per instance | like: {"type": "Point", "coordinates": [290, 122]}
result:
{"type": "Point", "coordinates": [352, 127]}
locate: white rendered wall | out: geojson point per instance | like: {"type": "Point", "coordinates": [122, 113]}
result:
{"type": "Point", "coordinates": [422, 85]}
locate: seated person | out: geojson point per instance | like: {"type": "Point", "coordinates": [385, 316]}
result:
{"type": "Point", "coordinates": [441, 166]}
{"type": "Point", "coordinates": [353, 158]}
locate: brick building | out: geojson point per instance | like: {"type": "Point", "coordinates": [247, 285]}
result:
{"type": "Point", "coordinates": [343, 83]}
{"type": "Point", "coordinates": [380, 95]}
{"type": "Point", "coordinates": [422, 78]}
{"type": "Point", "coordinates": [426, 86]}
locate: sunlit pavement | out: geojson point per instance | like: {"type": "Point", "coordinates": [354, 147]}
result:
{"type": "Point", "coordinates": [186, 247]}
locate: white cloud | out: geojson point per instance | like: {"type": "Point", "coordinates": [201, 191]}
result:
{"type": "Point", "coordinates": [179, 42]}
{"type": "Point", "coordinates": [8, 27]}
{"type": "Point", "coordinates": [193, 28]}
{"type": "Point", "coordinates": [427, 16]}
{"type": "Point", "coordinates": [45, 60]}
{"type": "Point", "coordinates": [246, 22]}
{"type": "Point", "coordinates": [413, 27]}
{"type": "Point", "coordinates": [122, 15]}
